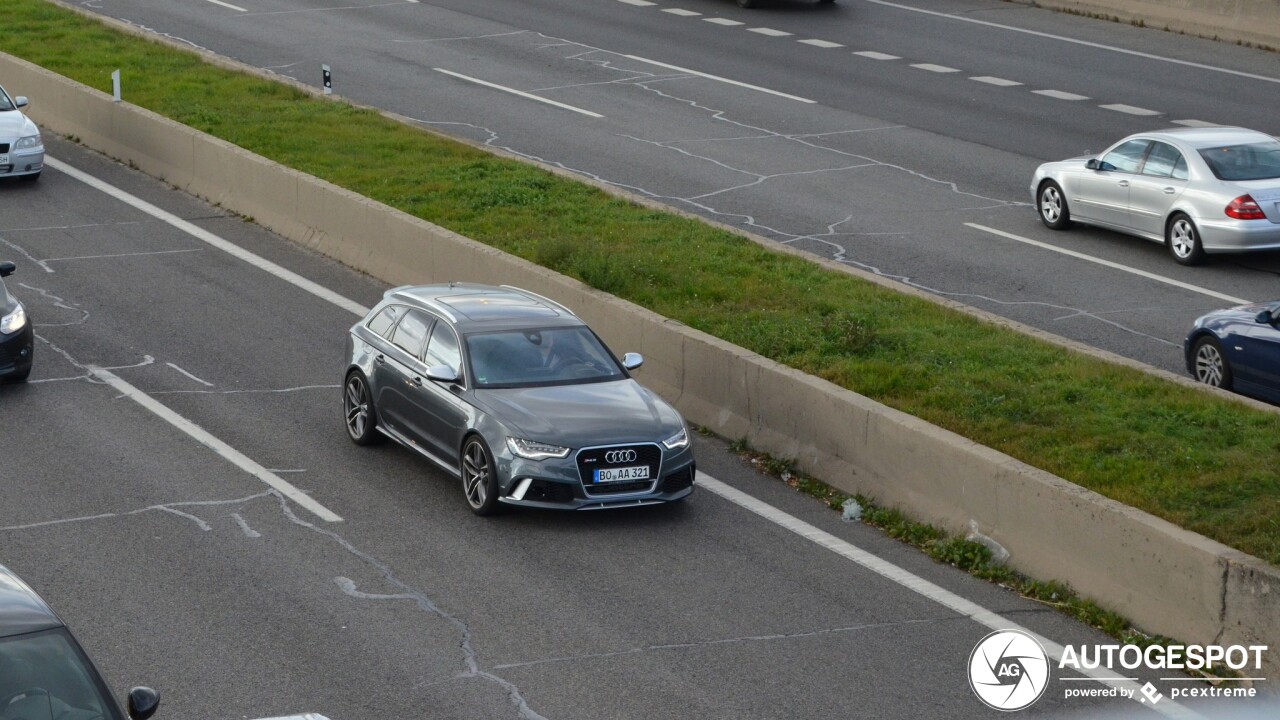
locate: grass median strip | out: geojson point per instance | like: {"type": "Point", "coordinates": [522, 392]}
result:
{"type": "Point", "coordinates": [1204, 463]}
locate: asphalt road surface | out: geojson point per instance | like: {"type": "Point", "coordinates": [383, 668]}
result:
{"type": "Point", "coordinates": [180, 567]}
{"type": "Point", "coordinates": [898, 137]}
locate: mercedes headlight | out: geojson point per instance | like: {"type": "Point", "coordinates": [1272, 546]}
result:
{"type": "Point", "coordinates": [28, 142]}
{"type": "Point", "coordinates": [677, 441]}
{"type": "Point", "coordinates": [531, 450]}
{"type": "Point", "coordinates": [13, 322]}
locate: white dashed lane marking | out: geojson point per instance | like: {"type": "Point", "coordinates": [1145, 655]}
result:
{"type": "Point", "coordinates": [717, 78]}
{"type": "Point", "coordinates": [1114, 265]}
{"type": "Point", "coordinates": [935, 68]}
{"type": "Point", "coordinates": [1060, 95]}
{"type": "Point", "coordinates": [519, 93]}
{"type": "Point", "coordinates": [821, 43]}
{"type": "Point", "coordinates": [1129, 109]}
{"type": "Point", "coordinates": [877, 55]}
{"type": "Point", "coordinates": [228, 5]}
{"type": "Point", "coordinates": [929, 67]}
{"type": "Point", "coordinates": [1001, 82]}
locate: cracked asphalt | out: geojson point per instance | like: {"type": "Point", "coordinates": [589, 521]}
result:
{"type": "Point", "coordinates": [178, 569]}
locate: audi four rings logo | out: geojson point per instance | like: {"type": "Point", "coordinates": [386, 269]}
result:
{"type": "Point", "coordinates": [620, 456]}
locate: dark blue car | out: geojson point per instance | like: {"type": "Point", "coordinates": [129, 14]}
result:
{"type": "Point", "coordinates": [1238, 349]}
{"type": "Point", "coordinates": [16, 336]}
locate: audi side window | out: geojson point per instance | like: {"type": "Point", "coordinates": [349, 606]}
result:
{"type": "Point", "coordinates": [1127, 157]}
{"type": "Point", "coordinates": [443, 348]}
{"type": "Point", "coordinates": [411, 333]}
{"type": "Point", "coordinates": [1162, 160]}
{"type": "Point", "coordinates": [383, 321]}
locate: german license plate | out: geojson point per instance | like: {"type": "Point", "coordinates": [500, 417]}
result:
{"type": "Point", "coordinates": [4, 159]}
{"type": "Point", "coordinates": [622, 474]}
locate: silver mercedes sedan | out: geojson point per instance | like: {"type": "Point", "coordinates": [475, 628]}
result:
{"type": "Point", "coordinates": [1197, 190]}
{"type": "Point", "coordinates": [516, 397]}
{"type": "Point", "coordinates": [21, 149]}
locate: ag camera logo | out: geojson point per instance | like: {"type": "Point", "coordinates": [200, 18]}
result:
{"type": "Point", "coordinates": [1008, 670]}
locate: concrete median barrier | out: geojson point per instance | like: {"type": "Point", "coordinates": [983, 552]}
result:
{"type": "Point", "coordinates": [1165, 579]}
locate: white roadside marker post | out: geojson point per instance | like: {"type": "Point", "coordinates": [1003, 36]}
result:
{"type": "Point", "coordinates": [327, 78]}
{"type": "Point", "coordinates": [115, 86]}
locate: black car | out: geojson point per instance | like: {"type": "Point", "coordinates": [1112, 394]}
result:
{"type": "Point", "coordinates": [44, 673]}
{"type": "Point", "coordinates": [16, 335]}
{"type": "Point", "coordinates": [1238, 349]}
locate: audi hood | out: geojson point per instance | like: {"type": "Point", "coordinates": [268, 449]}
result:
{"type": "Point", "coordinates": [584, 415]}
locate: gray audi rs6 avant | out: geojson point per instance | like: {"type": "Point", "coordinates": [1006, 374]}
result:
{"type": "Point", "coordinates": [516, 397]}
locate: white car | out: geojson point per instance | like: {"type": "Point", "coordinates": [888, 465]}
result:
{"type": "Point", "coordinates": [21, 149]}
{"type": "Point", "coordinates": [1197, 190]}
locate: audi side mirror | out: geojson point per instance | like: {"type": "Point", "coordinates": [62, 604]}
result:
{"type": "Point", "coordinates": [1266, 317]}
{"type": "Point", "coordinates": [7, 268]}
{"type": "Point", "coordinates": [442, 374]}
{"type": "Point", "coordinates": [143, 702]}
{"type": "Point", "coordinates": [20, 101]}
{"type": "Point", "coordinates": [631, 361]}
{"type": "Point", "coordinates": [1092, 164]}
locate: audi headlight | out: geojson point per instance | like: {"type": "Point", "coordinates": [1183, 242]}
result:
{"type": "Point", "coordinates": [13, 322]}
{"type": "Point", "coordinates": [677, 441]}
{"type": "Point", "coordinates": [25, 143]}
{"type": "Point", "coordinates": [531, 450]}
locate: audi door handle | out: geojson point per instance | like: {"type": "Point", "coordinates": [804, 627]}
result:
{"type": "Point", "coordinates": [1169, 191]}
{"type": "Point", "coordinates": [380, 359]}
{"type": "Point", "coordinates": [417, 381]}
{"type": "Point", "coordinates": [1124, 183]}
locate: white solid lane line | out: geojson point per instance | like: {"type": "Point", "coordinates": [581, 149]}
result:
{"type": "Point", "coordinates": [203, 437]}
{"type": "Point", "coordinates": [1113, 265]}
{"type": "Point", "coordinates": [205, 236]}
{"type": "Point", "coordinates": [919, 585]}
{"type": "Point", "coordinates": [1086, 43]}
{"type": "Point", "coordinates": [717, 78]}
{"type": "Point", "coordinates": [521, 93]}
{"type": "Point", "coordinates": [227, 5]}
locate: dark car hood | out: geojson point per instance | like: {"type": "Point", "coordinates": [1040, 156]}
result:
{"type": "Point", "coordinates": [1240, 312]}
{"type": "Point", "coordinates": [584, 415]}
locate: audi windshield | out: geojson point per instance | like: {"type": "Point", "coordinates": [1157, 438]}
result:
{"type": "Point", "coordinates": [540, 357]}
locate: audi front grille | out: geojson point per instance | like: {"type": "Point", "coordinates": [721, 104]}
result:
{"type": "Point", "coordinates": [618, 456]}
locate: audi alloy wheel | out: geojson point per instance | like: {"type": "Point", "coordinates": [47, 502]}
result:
{"type": "Point", "coordinates": [479, 480]}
